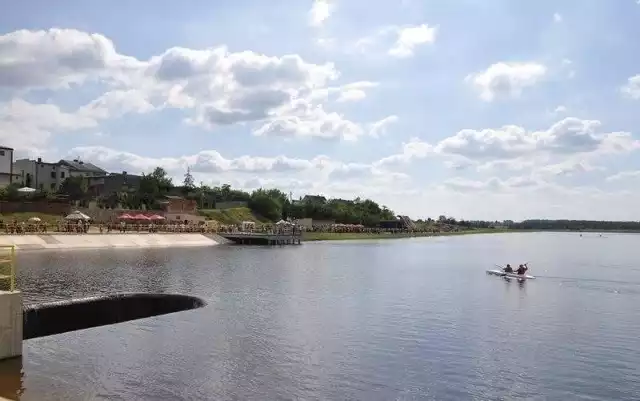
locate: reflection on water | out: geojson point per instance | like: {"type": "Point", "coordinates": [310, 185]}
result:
{"type": "Point", "coordinates": [414, 319]}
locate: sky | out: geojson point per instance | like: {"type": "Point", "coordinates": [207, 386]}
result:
{"type": "Point", "coordinates": [492, 109]}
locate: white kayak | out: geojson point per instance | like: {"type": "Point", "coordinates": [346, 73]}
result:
{"type": "Point", "coordinates": [512, 275]}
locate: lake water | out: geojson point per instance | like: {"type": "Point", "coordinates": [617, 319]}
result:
{"type": "Point", "coordinates": [414, 319]}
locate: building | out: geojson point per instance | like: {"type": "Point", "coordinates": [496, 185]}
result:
{"type": "Point", "coordinates": [180, 210]}
{"type": "Point", "coordinates": [78, 168]}
{"type": "Point", "coordinates": [113, 183]}
{"type": "Point", "coordinates": [6, 166]}
{"type": "Point", "coordinates": [39, 174]}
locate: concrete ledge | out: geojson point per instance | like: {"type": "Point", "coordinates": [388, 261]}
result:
{"type": "Point", "coordinates": [77, 314]}
{"type": "Point", "coordinates": [99, 241]}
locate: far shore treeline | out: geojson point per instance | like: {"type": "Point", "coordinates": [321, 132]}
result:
{"type": "Point", "coordinates": [274, 204]}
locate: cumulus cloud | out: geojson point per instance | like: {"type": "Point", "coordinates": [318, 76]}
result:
{"type": "Point", "coordinates": [400, 41]}
{"type": "Point", "coordinates": [503, 80]}
{"type": "Point", "coordinates": [411, 37]}
{"type": "Point", "coordinates": [320, 174]}
{"type": "Point", "coordinates": [57, 58]}
{"type": "Point", "coordinates": [632, 87]}
{"type": "Point", "coordinates": [278, 95]}
{"type": "Point", "coordinates": [26, 126]}
{"type": "Point", "coordinates": [320, 12]}
{"type": "Point", "coordinates": [562, 149]}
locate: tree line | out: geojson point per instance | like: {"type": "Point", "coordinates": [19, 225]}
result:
{"type": "Point", "coordinates": [148, 190]}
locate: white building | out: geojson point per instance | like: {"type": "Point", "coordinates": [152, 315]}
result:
{"type": "Point", "coordinates": [6, 166]}
{"type": "Point", "coordinates": [39, 175]}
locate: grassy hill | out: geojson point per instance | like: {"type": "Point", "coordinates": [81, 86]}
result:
{"type": "Point", "coordinates": [232, 216]}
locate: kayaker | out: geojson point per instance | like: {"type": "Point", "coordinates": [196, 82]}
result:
{"type": "Point", "coordinates": [522, 269]}
{"type": "Point", "coordinates": [508, 269]}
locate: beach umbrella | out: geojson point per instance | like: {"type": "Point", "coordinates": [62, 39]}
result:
{"type": "Point", "coordinates": [26, 190]}
{"type": "Point", "coordinates": [156, 217]}
{"type": "Point", "coordinates": [125, 216]}
{"type": "Point", "coordinates": [34, 219]}
{"type": "Point", "coordinates": [140, 217]}
{"type": "Point", "coordinates": [77, 215]}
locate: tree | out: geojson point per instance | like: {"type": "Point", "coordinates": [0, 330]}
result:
{"type": "Point", "coordinates": [265, 205]}
{"type": "Point", "coordinates": [74, 187]}
{"type": "Point", "coordinates": [162, 179]}
{"type": "Point", "coordinates": [188, 182]}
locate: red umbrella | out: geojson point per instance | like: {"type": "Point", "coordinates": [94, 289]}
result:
{"type": "Point", "coordinates": [140, 217]}
{"type": "Point", "coordinates": [125, 216]}
{"type": "Point", "coordinates": [156, 217]}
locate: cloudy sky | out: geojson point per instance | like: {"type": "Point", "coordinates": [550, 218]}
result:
{"type": "Point", "coordinates": [489, 109]}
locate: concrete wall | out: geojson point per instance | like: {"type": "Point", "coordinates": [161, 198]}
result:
{"type": "Point", "coordinates": [39, 206]}
{"type": "Point", "coordinates": [100, 241]}
{"type": "Point", "coordinates": [10, 324]}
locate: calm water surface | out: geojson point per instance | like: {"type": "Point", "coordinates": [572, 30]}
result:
{"type": "Point", "coordinates": [414, 319]}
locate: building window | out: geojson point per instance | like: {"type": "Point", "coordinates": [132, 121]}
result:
{"type": "Point", "coordinates": [1, 152]}
{"type": "Point", "coordinates": [53, 174]}
{"type": "Point", "coordinates": [53, 186]}
{"type": "Point", "coordinates": [42, 187]}
{"type": "Point", "coordinates": [62, 174]}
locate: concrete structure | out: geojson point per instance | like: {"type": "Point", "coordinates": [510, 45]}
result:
{"type": "Point", "coordinates": [231, 205]}
{"type": "Point", "coordinates": [113, 183]}
{"type": "Point", "coordinates": [6, 166]}
{"type": "Point", "coordinates": [243, 238]}
{"type": "Point", "coordinates": [79, 168]}
{"type": "Point", "coordinates": [101, 241]}
{"type": "Point", "coordinates": [306, 222]}
{"type": "Point", "coordinates": [10, 324]}
{"type": "Point", "coordinates": [39, 174]}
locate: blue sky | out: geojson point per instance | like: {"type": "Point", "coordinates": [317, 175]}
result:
{"type": "Point", "coordinates": [488, 109]}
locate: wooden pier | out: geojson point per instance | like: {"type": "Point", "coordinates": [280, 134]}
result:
{"type": "Point", "coordinates": [243, 238]}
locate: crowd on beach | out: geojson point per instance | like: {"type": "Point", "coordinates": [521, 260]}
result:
{"type": "Point", "coordinates": [84, 226]}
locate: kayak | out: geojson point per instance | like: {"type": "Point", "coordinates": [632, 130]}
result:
{"type": "Point", "coordinates": [512, 275]}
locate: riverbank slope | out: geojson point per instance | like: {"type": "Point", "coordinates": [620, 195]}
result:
{"type": "Point", "coordinates": [115, 240]}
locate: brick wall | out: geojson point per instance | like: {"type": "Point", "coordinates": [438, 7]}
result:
{"type": "Point", "coordinates": [48, 207]}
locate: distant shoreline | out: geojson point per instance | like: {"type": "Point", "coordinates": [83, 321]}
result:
{"type": "Point", "coordinates": [312, 236]}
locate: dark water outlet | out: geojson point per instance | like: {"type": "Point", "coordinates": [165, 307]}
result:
{"type": "Point", "coordinates": [50, 318]}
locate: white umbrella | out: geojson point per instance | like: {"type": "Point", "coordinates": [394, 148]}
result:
{"type": "Point", "coordinates": [26, 190]}
{"type": "Point", "coordinates": [34, 219]}
{"type": "Point", "coordinates": [77, 215]}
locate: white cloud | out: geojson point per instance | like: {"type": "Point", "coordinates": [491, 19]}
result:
{"type": "Point", "coordinates": [411, 37]}
{"type": "Point", "coordinates": [57, 58]}
{"type": "Point", "coordinates": [320, 11]}
{"type": "Point", "coordinates": [398, 41]}
{"type": "Point", "coordinates": [624, 175]}
{"type": "Point", "coordinates": [319, 174]}
{"type": "Point", "coordinates": [506, 79]}
{"type": "Point", "coordinates": [632, 87]}
{"type": "Point", "coordinates": [560, 110]}
{"type": "Point", "coordinates": [379, 128]}
{"type": "Point", "coordinates": [557, 17]}
{"type": "Point", "coordinates": [280, 95]}
{"type": "Point", "coordinates": [28, 127]}
{"type": "Point", "coordinates": [516, 148]}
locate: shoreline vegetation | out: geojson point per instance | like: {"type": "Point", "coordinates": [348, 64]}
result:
{"type": "Point", "coordinates": [228, 209]}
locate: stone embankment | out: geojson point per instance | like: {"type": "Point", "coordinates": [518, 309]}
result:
{"type": "Point", "coordinates": [104, 241]}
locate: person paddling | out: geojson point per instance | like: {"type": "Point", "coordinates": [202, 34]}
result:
{"type": "Point", "coordinates": [522, 269]}
{"type": "Point", "coordinates": [508, 269]}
